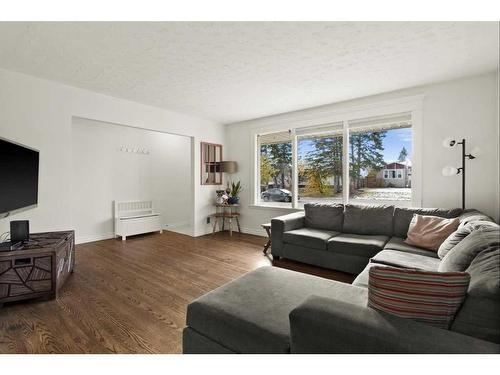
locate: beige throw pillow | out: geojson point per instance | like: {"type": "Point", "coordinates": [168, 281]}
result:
{"type": "Point", "coordinates": [429, 232]}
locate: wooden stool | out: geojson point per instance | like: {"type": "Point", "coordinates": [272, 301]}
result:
{"type": "Point", "coordinates": [267, 227]}
{"type": "Point", "coordinates": [229, 217]}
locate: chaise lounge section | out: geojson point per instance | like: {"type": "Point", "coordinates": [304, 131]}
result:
{"type": "Point", "coordinates": [272, 310]}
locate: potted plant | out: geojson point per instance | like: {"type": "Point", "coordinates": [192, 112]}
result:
{"type": "Point", "coordinates": [235, 190]}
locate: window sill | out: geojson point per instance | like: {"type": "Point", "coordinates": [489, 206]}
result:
{"type": "Point", "coordinates": [274, 208]}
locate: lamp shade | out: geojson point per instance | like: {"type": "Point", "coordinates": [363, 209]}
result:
{"type": "Point", "coordinates": [476, 151]}
{"type": "Point", "coordinates": [229, 166]}
{"type": "Point", "coordinates": [449, 171]}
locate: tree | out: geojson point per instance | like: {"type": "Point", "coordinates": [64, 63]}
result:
{"type": "Point", "coordinates": [324, 161]}
{"type": "Point", "coordinates": [365, 153]}
{"type": "Point", "coordinates": [267, 171]}
{"type": "Point", "coordinates": [403, 155]}
{"type": "Point", "coordinates": [280, 159]}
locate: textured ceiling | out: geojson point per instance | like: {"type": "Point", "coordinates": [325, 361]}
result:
{"type": "Point", "coordinates": [236, 71]}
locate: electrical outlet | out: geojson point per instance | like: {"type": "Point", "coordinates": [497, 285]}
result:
{"type": "Point", "coordinates": [208, 220]}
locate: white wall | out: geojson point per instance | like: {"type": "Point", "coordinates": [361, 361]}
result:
{"type": "Point", "coordinates": [102, 173]}
{"type": "Point", "coordinates": [463, 108]}
{"type": "Point", "coordinates": [39, 113]}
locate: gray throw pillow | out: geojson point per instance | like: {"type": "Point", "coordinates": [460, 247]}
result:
{"type": "Point", "coordinates": [461, 256]}
{"type": "Point", "coordinates": [463, 231]}
{"type": "Point", "coordinates": [324, 216]}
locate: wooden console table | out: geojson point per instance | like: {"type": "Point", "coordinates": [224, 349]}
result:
{"type": "Point", "coordinates": [229, 212]}
{"type": "Point", "coordinates": [39, 268]}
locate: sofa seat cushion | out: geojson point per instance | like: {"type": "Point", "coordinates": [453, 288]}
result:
{"type": "Point", "coordinates": [361, 280]}
{"type": "Point", "coordinates": [250, 314]}
{"type": "Point", "coordinates": [397, 243]}
{"type": "Point", "coordinates": [357, 244]}
{"type": "Point", "coordinates": [309, 237]}
{"type": "Point", "coordinates": [402, 259]}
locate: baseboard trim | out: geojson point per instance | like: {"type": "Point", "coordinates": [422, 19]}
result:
{"type": "Point", "coordinates": [173, 226]}
{"type": "Point", "coordinates": [93, 238]}
{"type": "Point", "coordinates": [255, 232]}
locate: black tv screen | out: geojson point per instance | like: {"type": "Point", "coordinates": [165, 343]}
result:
{"type": "Point", "coordinates": [18, 176]}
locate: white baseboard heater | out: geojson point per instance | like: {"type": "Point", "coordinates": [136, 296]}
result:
{"type": "Point", "coordinates": [135, 217]}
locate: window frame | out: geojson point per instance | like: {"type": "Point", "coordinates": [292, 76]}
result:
{"type": "Point", "coordinates": [323, 115]}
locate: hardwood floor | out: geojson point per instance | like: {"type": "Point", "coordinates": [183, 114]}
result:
{"type": "Point", "coordinates": [131, 297]}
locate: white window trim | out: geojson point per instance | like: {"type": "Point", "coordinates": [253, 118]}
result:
{"type": "Point", "coordinates": [322, 115]}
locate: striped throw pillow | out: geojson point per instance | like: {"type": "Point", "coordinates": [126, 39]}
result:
{"type": "Point", "coordinates": [428, 297]}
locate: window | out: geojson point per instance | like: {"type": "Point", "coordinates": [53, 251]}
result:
{"type": "Point", "coordinates": [275, 172]}
{"type": "Point", "coordinates": [319, 164]}
{"type": "Point", "coordinates": [373, 154]}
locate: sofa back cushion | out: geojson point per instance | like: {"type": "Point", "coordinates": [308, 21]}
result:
{"type": "Point", "coordinates": [428, 297]}
{"type": "Point", "coordinates": [375, 220]}
{"type": "Point", "coordinates": [403, 217]}
{"type": "Point", "coordinates": [471, 215]}
{"type": "Point", "coordinates": [480, 313]}
{"type": "Point", "coordinates": [324, 216]}
{"type": "Point", "coordinates": [463, 231]}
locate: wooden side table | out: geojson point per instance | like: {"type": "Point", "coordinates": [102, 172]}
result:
{"type": "Point", "coordinates": [267, 227]}
{"type": "Point", "coordinates": [229, 212]}
{"type": "Point", "coordinates": [39, 268]}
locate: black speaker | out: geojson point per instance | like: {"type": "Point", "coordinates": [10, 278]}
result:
{"type": "Point", "coordinates": [19, 231]}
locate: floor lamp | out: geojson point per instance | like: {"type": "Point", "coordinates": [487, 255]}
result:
{"type": "Point", "coordinates": [451, 171]}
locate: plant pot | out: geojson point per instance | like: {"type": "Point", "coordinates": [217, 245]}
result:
{"type": "Point", "coordinates": [233, 200]}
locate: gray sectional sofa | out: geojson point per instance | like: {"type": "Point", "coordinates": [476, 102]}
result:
{"type": "Point", "coordinates": [272, 310]}
{"type": "Point", "coordinates": [344, 238]}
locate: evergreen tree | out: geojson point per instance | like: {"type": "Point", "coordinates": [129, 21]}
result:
{"type": "Point", "coordinates": [324, 161]}
{"type": "Point", "coordinates": [403, 155]}
{"type": "Point", "coordinates": [365, 154]}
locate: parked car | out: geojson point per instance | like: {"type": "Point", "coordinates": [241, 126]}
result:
{"type": "Point", "coordinates": [276, 195]}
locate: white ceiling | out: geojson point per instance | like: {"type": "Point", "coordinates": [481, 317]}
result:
{"type": "Point", "coordinates": [230, 71]}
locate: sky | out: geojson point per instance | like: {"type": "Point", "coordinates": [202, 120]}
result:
{"type": "Point", "coordinates": [394, 141]}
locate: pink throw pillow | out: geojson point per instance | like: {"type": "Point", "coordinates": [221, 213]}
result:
{"type": "Point", "coordinates": [430, 232]}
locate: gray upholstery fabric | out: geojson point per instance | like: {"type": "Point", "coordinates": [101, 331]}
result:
{"type": "Point", "coordinates": [250, 314]}
{"type": "Point", "coordinates": [327, 259]}
{"type": "Point", "coordinates": [324, 216]}
{"type": "Point", "coordinates": [461, 256]}
{"type": "Point", "coordinates": [471, 215]}
{"type": "Point", "coordinates": [195, 343]}
{"type": "Point", "coordinates": [362, 279]}
{"type": "Point", "coordinates": [485, 274]}
{"type": "Point", "coordinates": [282, 224]}
{"type": "Point", "coordinates": [357, 244]}
{"type": "Point", "coordinates": [323, 325]}
{"type": "Point", "coordinates": [375, 220]}
{"type": "Point", "coordinates": [479, 315]}
{"type": "Point", "coordinates": [396, 243]}
{"type": "Point", "coordinates": [406, 260]}
{"type": "Point", "coordinates": [403, 216]}
{"type": "Point", "coordinates": [309, 237]}
{"type": "Point", "coordinates": [463, 231]}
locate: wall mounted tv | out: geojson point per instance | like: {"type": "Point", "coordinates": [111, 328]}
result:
{"type": "Point", "coordinates": [18, 177]}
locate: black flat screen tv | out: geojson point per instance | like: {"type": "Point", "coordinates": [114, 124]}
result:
{"type": "Point", "coordinates": [18, 176]}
